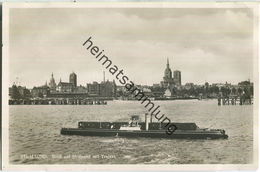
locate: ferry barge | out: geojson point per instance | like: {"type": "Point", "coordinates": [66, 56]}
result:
{"type": "Point", "coordinates": [135, 129]}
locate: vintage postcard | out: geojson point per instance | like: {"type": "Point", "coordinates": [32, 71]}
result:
{"type": "Point", "coordinates": [143, 85]}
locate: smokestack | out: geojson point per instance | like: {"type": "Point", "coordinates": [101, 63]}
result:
{"type": "Point", "coordinates": [146, 121]}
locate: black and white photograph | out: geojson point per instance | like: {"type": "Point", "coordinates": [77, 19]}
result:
{"type": "Point", "coordinates": [130, 84]}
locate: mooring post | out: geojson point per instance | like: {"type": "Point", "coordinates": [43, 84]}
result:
{"type": "Point", "coordinates": [146, 122]}
{"type": "Point", "coordinates": [219, 101]}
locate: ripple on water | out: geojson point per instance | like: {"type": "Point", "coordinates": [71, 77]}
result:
{"type": "Point", "coordinates": [36, 130]}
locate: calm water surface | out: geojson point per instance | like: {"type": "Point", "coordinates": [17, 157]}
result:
{"type": "Point", "coordinates": [35, 135]}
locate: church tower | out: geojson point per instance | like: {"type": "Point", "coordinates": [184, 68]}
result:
{"type": "Point", "coordinates": [52, 83]}
{"type": "Point", "coordinates": [168, 81]}
{"type": "Point", "coordinates": [73, 79]}
{"type": "Point", "coordinates": [167, 73]}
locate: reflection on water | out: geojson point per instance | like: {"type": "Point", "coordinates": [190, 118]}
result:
{"type": "Point", "coordinates": [35, 135]}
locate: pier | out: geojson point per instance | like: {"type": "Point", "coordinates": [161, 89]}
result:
{"type": "Point", "coordinates": [58, 101]}
{"type": "Point", "coordinates": [235, 100]}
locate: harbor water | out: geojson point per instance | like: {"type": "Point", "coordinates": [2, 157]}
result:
{"type": "Point", "coordinates": [35, 134]}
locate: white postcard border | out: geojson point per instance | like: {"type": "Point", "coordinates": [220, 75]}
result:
{"type": "Point", "coordinates": [197, 167]}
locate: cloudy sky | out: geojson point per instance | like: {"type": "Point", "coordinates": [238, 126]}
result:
{"type": "Point", "coordinates": [213, 45]}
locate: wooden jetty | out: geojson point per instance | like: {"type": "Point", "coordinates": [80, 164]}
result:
{"type": "Point", "coordinates": [58, 101]}
{"type": "Point", "coordinates": [235, 100]}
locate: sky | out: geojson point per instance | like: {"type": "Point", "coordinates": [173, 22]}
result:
{"type": "Point", "coordinates": [207, 45]}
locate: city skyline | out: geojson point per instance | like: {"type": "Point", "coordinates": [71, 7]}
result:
{"type": "Point", "coordinates": [67, 80]}
{"type": "Point", "coordinates": [145, 40]}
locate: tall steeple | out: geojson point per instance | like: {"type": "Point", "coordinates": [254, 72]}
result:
{"type": "Point", "coordinates": [168, 65]}
{"type": "Point", "coordinates": [52, 83]}
{"type": "Point", "coordinates": [167, 72]}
